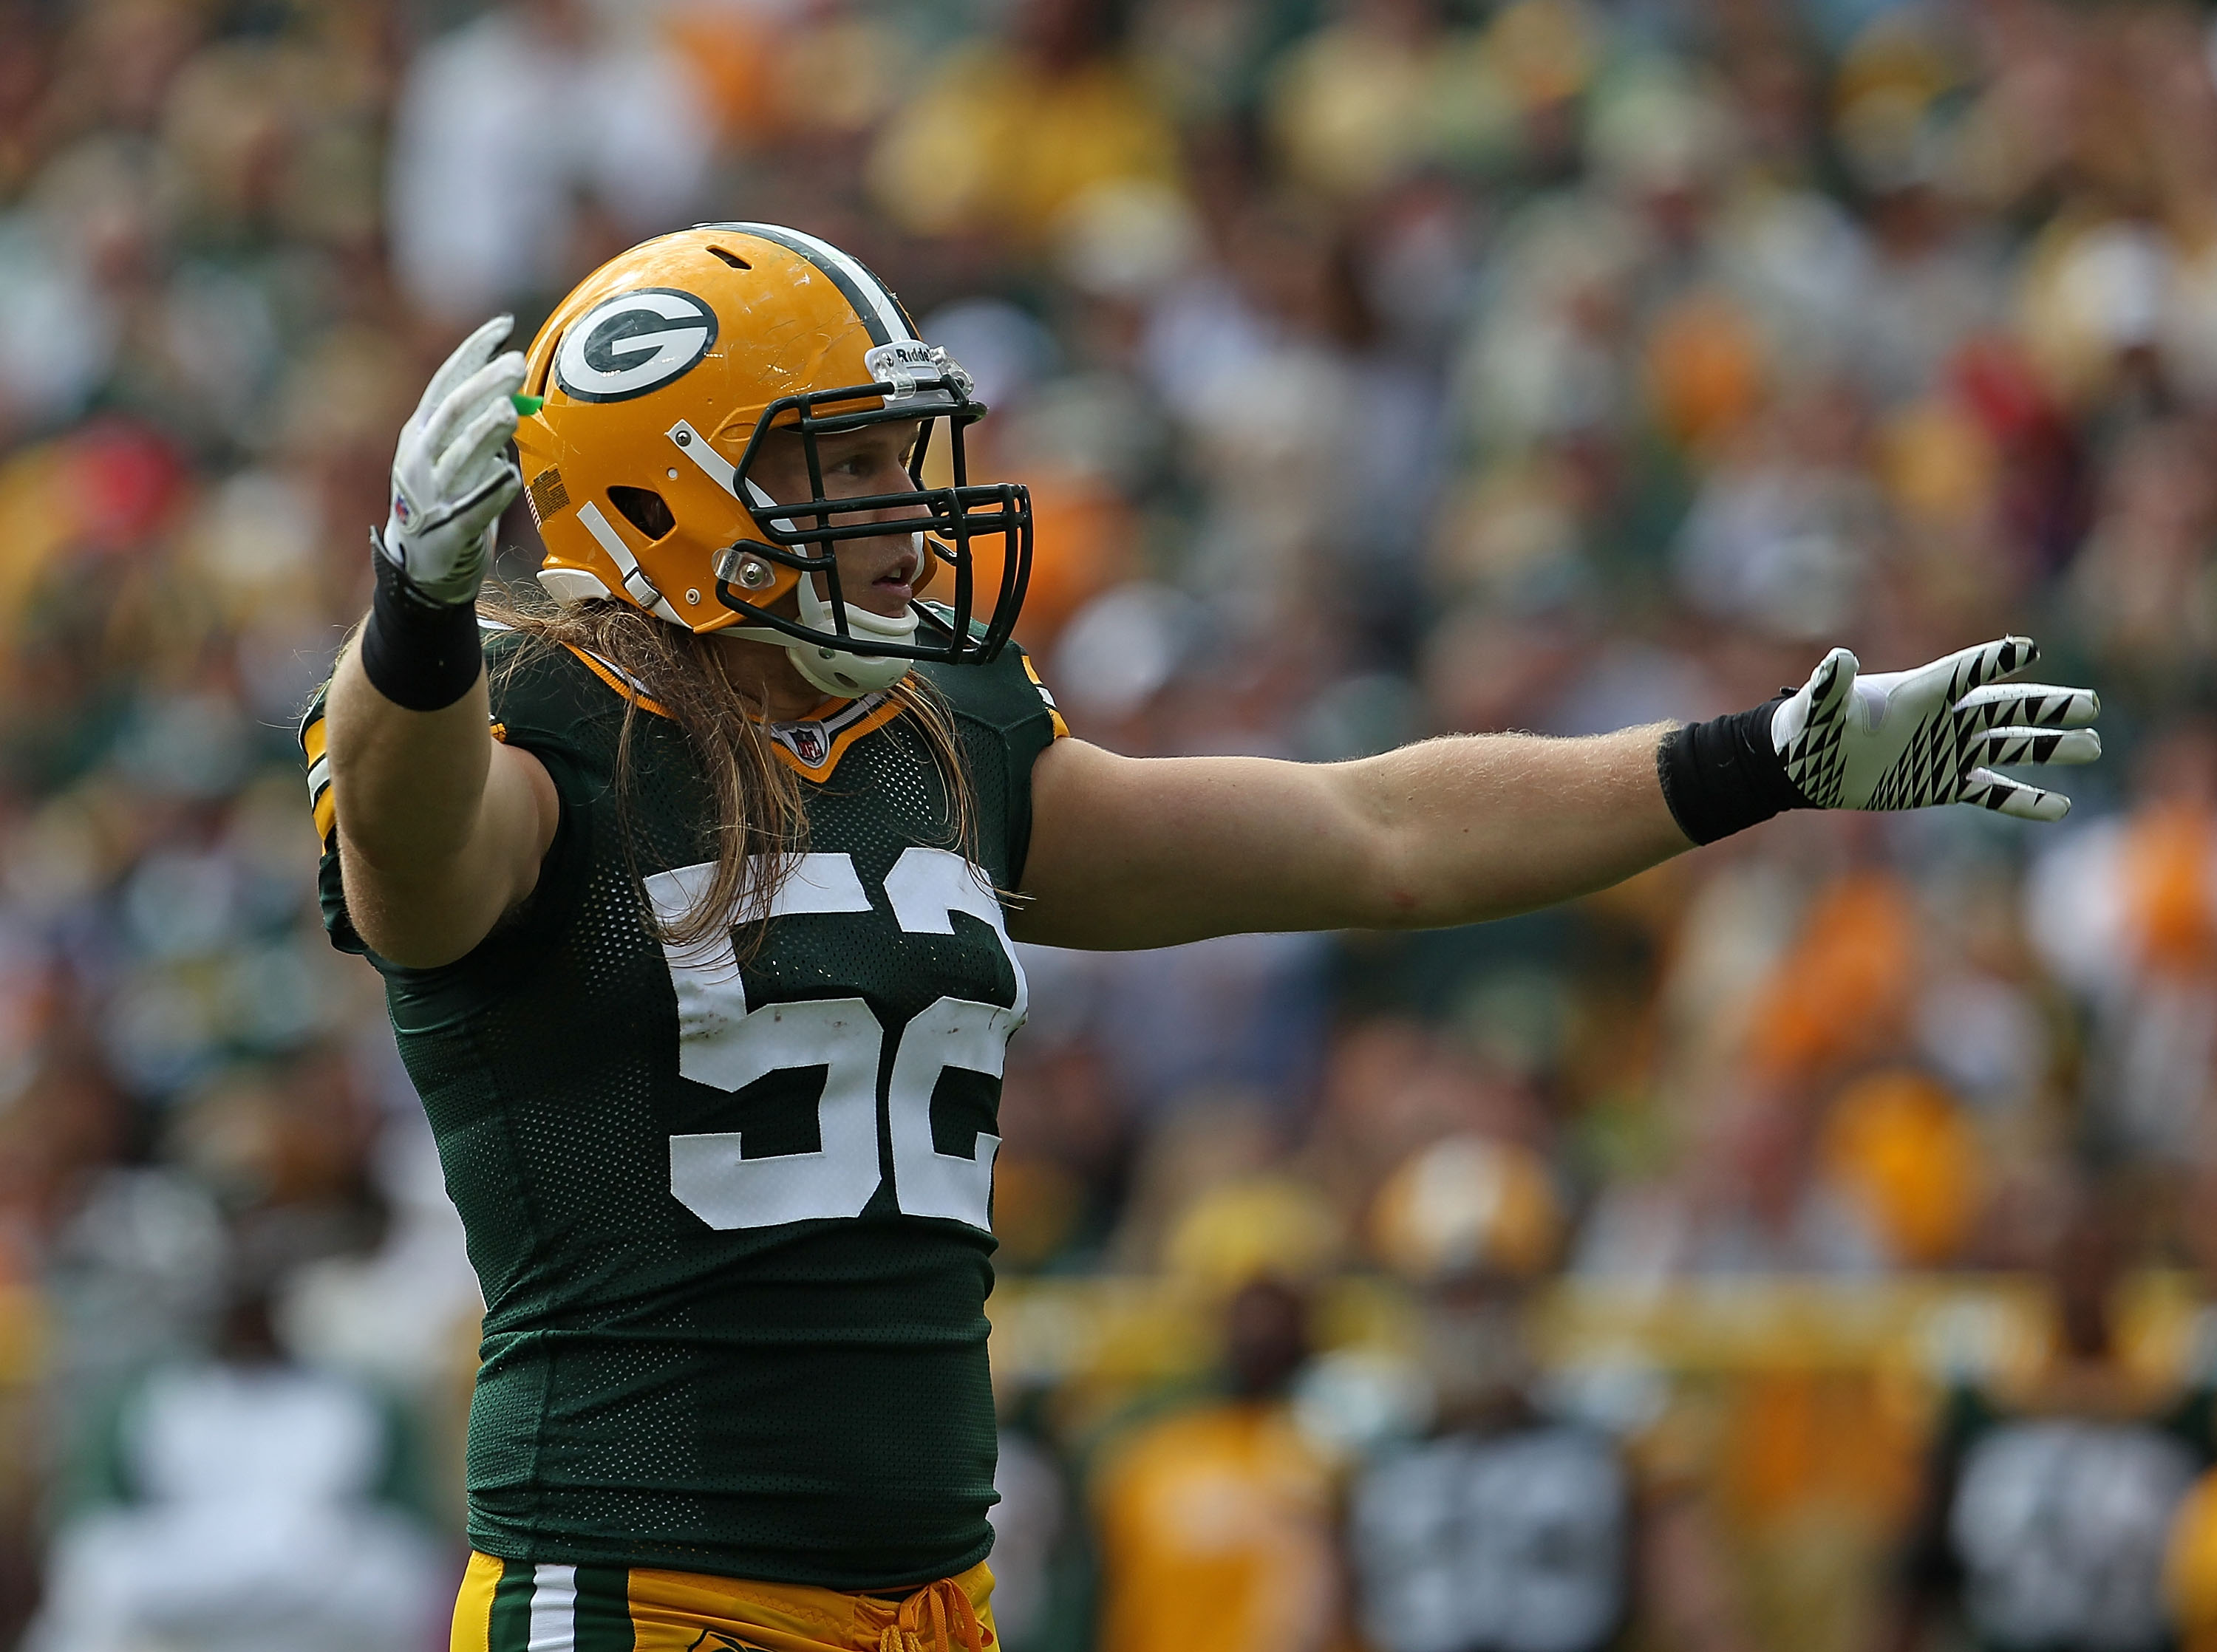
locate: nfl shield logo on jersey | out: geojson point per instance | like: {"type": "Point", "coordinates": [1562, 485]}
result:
{"type": "Point", "coordinates": [806, 740]}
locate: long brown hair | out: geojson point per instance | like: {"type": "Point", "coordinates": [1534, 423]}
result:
{"type": "Point", "coordinates": [761, 815]}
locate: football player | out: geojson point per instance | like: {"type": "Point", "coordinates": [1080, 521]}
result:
{"type": "Point", "coordinates": [2055, 1483]}
{"type": "Point", "coordinates": [1512, 1527]}
{"type": "Point", "coordinates": [693, 884]}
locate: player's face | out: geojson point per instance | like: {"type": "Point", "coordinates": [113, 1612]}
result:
{"type": "Point", "coordinates": [876, 574]}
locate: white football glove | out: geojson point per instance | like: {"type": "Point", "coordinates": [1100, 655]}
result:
{"type": "Point", "coordinates": [451, 480]}
{"type": "Point", "coordinates": [1909, 739]}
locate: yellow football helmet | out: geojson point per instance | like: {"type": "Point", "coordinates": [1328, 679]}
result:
{"type": "Point", "coordinates": [661, 374]}
{"type": "Point", "coordinates": [1467, 1206]}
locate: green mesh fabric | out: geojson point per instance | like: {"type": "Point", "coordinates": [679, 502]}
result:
{"type": "Point", "coordinates": [807, 1403]}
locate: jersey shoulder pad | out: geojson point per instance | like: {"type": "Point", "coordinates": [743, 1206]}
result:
{"type": "Point", "coordinates": [546, 693]}
{"type": "Point", "coordinates": [544, 697]}
{"type": "Point", "coordinates": [1003, 694]}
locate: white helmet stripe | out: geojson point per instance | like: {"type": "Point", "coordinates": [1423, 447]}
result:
{"type": "Point", "coordinates": [861, 287]}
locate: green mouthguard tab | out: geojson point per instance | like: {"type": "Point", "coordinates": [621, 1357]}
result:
{"type": "Point", "coordinates": [526, 405]}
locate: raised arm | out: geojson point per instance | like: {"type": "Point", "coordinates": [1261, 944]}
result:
{"type": "Point", "coordinates": [441, 828]}
{"type": "Point", "coordinates": [1149, 851]}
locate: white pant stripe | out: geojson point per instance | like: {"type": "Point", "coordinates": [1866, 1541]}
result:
{"type": "Point", "coordinates": [554, 1609]}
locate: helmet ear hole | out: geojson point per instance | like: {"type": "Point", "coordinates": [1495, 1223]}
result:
{"type": "Point", "coordinates": [644, 508]}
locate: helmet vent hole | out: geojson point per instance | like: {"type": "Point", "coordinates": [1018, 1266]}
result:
{"type": "Point", "coordinates": [644, 508]}
{"type": "Point", "coordinates": [730, 257]}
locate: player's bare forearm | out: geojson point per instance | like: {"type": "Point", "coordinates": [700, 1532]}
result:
{"type": "Point", "coordinates": [1482, 826]}
{"type": "Point", "coordinates": [1150, 852]}
{"type": "Point", "coordinates": [411, 784]}
{"type": "Point", "coordinates": [441, 829]}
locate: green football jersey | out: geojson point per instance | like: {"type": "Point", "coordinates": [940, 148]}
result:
{"type": "Point", "coordinates": [732, 1225]}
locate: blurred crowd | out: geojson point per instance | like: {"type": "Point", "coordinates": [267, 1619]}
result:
{"type": "Point", "coordinates": [1784, 1250]}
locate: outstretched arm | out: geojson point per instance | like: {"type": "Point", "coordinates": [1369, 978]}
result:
{"type": "Point", "coordinates": [1132, 851]}
{"type": "Point", "coordinates": [1149, 851]}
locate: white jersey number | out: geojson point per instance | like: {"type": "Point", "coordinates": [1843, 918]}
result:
{"type": "Point", "coordinates": [720, 1041]}
{"type": "Point", "coordinates": [2061, 1524]}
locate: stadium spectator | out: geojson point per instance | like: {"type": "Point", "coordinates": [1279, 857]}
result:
{"type": "Point", "coordinates": [1214, 1524]}
{"type": "Point", "coordinates": [534, 141]}
{"type": "Point", "coordinates": [246, 1502]}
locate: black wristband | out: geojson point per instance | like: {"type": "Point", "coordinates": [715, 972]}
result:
{"type": "Point", "coordinates": [421, 655]}
{"type": "Point", "coordinates": [1723, 776]}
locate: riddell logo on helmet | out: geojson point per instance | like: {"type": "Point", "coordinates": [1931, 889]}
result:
{"type": "Point", "coordinates": [632, 343]}
{"type": "Point", "coordinates": [901, 363]}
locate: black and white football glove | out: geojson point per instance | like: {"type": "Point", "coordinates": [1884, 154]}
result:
{"type": "Point", "coordinates": [1890, 740]}
{"type": "Point", "coordinates": [1909, 739]}
{"type": "Point", "coordinates": [451, 478]}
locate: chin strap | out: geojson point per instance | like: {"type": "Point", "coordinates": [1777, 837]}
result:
{"type": "Point", "coordinates": [835, 671]}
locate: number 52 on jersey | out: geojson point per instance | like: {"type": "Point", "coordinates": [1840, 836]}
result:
{"type": "Point", "coordinates": [724, 1044]}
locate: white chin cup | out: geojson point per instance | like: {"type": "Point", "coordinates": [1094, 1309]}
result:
{"type": "Point", "coordinates": [835, 671]}
{"type": "Point", "coordinates": [847, 677]}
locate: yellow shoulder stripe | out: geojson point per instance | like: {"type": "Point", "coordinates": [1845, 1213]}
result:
{"type": "Point", "coordinates": [606, 674]}
{"type": "Point", "coordinates": [321, 802]}
{"type": "Point", "coordinates": [1053, 710]}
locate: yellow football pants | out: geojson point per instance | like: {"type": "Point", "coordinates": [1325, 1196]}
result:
{"type": "Point", "coordinates": [512, 1605]}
